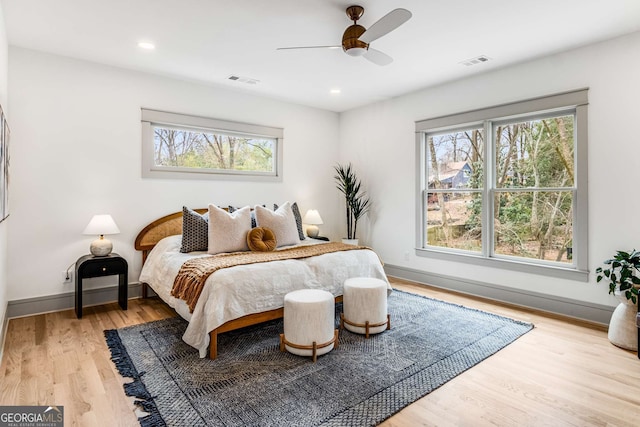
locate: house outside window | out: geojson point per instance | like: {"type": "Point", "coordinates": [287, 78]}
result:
{"type": "Point", "coordinates": [182, 146]}
{"type": "Point", "coordinates": [506, 186]}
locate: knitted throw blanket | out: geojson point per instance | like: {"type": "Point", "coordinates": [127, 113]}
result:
{"type": "Point", "coordinates": [193, 274]}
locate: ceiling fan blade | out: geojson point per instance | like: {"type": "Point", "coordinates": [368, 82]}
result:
{"type": "Point", "coordinates": [385, 25]}
{"type": "Point", "coordinates": [377, 57]}
{"type": "Point", "coordinates": [309, 47]}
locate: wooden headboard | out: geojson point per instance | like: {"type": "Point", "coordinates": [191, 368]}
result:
{"type": "Point", "coordinates": [168, 225]}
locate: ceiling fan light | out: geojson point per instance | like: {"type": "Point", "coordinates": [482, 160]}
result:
{"type": "Point", "coordinates": [356, 51]}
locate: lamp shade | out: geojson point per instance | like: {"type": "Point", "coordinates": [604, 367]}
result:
{"type": "Point", "coordinates": [312, 217]}
{"type": "Point", "coordinates": [101, 224]}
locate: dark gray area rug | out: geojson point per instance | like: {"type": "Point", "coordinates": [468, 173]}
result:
{"type": "Point", "coordinates": [251, 383]}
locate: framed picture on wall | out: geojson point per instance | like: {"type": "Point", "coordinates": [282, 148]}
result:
{"type": "Point", "coordinates": [4, 166]}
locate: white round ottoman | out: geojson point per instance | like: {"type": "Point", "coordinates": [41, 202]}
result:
{"type": "Point", "coordinates": [309, 329]}
{"type": "Point", "coordinates": [365, 306]}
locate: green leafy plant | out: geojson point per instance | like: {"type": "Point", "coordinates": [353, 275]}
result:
{"type": "Point", "coordinates": [356, 201]}
{"type": "Point", "coordinates": [622, 274]}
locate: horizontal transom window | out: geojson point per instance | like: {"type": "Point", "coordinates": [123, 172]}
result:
{"type": "Point", "coordinates": [181, 146]}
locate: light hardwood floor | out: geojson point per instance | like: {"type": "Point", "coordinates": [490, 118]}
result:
{"type": "Point", "coordinates": [563, 373]}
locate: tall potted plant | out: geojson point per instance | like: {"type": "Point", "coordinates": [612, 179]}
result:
{"type": "Point", "coordinates": [624, 282]}
{"type": "Point", "coordinates": [356, 201]}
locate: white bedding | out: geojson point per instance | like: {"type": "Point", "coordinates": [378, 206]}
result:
{"type": "Point", "coordinates": [231, 293]}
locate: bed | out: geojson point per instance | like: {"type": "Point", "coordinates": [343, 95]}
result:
{"type": "Point", "coordinates": [242, 295]}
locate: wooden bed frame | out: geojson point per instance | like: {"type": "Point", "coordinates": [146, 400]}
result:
{"type": "Point", "coordinates": [170, 225]}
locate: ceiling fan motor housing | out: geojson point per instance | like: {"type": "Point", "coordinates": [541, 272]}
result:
{"type": "Point", "coordinates": [350, 43]}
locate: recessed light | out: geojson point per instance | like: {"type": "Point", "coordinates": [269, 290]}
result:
{"type": "Point", "coordinates": [335, 91]}
{"type": "Point", "coordinates": [146, 45]}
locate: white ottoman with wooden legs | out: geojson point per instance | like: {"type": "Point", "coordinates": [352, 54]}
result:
{"type": "Point", "coordinates": [309, 328]}
{"type": "Point", "coordinates": [365, 306]}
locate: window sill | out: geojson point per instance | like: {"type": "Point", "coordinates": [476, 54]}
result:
{"type": "Point", "coordinates": [504, 264]}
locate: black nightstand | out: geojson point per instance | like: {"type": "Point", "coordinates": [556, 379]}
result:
{"type": "Point", "coordinates": [97, 266]}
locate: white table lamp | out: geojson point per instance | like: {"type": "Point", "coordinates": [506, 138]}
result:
{"type": "Point", "coordinates": [101, 225]}
{"type": "Point", "coordinates": [312, 218]}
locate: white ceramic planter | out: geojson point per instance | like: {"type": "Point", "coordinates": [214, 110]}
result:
{"type": "Point", "coordinates": [623, 331]}
{"type": "Point", "coordinates": [350, 241]}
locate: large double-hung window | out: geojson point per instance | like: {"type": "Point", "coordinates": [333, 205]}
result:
{"type": "Point", "coordinates": [506, 186]}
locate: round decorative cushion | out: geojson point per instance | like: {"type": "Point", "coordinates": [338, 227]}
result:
{"type": "Point", "coordinates": [261, 239]}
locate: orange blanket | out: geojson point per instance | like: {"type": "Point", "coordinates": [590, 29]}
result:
{"type": "Point", "coordinates": [193, 274]}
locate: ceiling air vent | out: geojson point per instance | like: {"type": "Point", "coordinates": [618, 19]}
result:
{"type": "Point", "coordinates": [247, 80]}
{"type": "Point", "coordinates": [474, 61]}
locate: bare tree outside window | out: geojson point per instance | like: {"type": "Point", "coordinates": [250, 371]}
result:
{"type": "Point", "coordinates": [211, 150]}
{"type": "Point", "coordinates": [454, 194]}
{"type": "Point", "coordinates": [536, 158]}
{"type": "Point", "coordinates": [532, 187]}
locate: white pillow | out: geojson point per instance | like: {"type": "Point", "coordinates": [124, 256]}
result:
{"type": "Point", "coordinates": [228, 232]}
{"type": "Point", "coordinates": [281, 222]}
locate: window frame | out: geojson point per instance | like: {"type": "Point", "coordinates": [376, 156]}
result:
{"type": "Point", "coordinates": [575, 102]}
{"type": "Point", "coordinates": [151, 118]}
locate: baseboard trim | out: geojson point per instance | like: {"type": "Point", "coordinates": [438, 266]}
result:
{"type": "Point", "coordinates": [66, 301]}
{"type": "Point", "coordinates": [598, 313]}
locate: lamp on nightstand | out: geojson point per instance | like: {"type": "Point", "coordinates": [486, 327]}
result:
{"type": "Point", "coordinates": [312, 217]}
{"type": "Point", "coordinates": [101, 225]}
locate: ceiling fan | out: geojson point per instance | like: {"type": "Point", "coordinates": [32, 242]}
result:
{"type": "Point", "coordinates": [356, 39]}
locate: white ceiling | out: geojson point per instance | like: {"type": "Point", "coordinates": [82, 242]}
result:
{"type": "Point", "coordinates": [208, 40]}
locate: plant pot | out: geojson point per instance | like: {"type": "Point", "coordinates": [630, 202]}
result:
{"type": "Point", "coordinates": [623, 331]}
{"type": "Point", "coordinates": [350, 241]}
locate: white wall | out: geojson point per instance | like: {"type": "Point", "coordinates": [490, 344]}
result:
{"type": "Point", "coordinates": [5, 224]}
{"type": "Point", "coordinates": [380, 140]}
{"type": "Point", "coordinates": [77, 152]}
